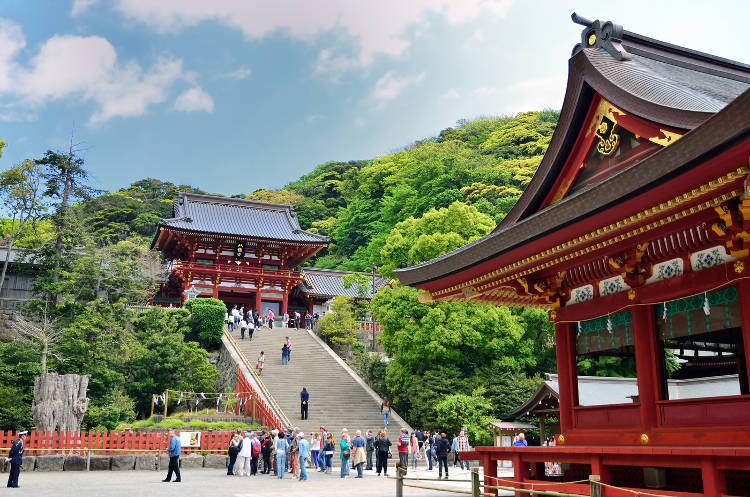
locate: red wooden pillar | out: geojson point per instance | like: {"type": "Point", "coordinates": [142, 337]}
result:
{"type": "Point", "coordinates": [598, 468]}
{"type": "Point", "coordinates": [285, 302]}
{"type": "Point", "coordinates": [520, 472]}
{"type": "Point", "coordinates": [490, 473]}
{"type": "Point", "coordinates": [258, 302]}
{"type": "Point", "coordinates": [310, 305]}
{"type": "Point", "coordinates": [714, 482]}
{"type": "Point", "coordinates": [743, 297]}
{"type": "Point", "coordinates": [647, 364]}
{"type": "Point", "coordinates": [567, 374]}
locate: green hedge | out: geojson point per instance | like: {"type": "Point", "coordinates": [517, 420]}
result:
{"type": "Point", "coordinates": [207, 318]}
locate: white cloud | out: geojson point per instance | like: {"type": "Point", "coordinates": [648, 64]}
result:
{"type": "Point", "coordinates": [551, 82]}
{"type": "Point", "coordinates": [451, 94]}
{"type": "Point", "coordinates": [389, 87]}
{"type": "Point", "coordinates": [80, 69]}
{"type": "Point", "coordinates": [238, 74]}
{"type": "Point", "coordinates": [484, 92]}
{"type": "Point", "coordinates": [194, 100]}
{"type": "Point", "coordinates": [378, 27]}
{"type": "Point", "coordinates": [80, 5]}
{"type": "Point", "coordinates": [313, 118]}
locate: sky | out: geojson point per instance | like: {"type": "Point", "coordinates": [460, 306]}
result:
{"type": "Point", "coordinates": [235, 95]}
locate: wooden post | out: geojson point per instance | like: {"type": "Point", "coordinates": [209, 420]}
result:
{"type": "Point", "coordinates": [152, 406]}
{"type": "Point", "coordinates": [595, 490]}
{"type": "Point", "coordinates": [714, 481]}
{"type": "Point", "coordinates": [166, 403]}
{"type": "Point", "coordinates": [399, 483]}
{"type": "Point", "coordinates": [567, 374]}
{"type": "Point", "coordinates": [475, 490]}
{"type": "Point", "coordinates": [647, 365]}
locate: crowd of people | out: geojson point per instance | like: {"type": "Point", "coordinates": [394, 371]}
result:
{"type": "Point", "coordinates": [278, 453]}
{"type": "Point", "coordinates": [248, 322]}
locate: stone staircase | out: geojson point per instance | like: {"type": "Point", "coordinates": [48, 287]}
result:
{"type": "Point", "coordinates": [338, 398]}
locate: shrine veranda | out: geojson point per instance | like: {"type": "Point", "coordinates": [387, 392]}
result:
{"type": "Point", "coordinates": [635, 235]}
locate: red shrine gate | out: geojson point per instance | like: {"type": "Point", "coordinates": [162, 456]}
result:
{"type": "Point", "coordinates": [242, 252]}
{"type": "Point", "coordinates": [635, 235]}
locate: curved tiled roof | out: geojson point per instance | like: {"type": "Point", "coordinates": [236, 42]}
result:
{"type": "Point", "coordinates": [329, 283]}
{"type": "Point", "coordinates": [680, 88]}
{"type": "Point", "coordinates": [237, 217]}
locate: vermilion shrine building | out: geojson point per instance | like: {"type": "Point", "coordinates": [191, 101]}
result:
{"type": "Point", "coordinates": [634, 234]}
{"type": "Point", "coordinates": [242, 252]}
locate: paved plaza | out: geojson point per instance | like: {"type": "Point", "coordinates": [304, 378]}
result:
{"type": "Point", "coordinates": [214, 483]}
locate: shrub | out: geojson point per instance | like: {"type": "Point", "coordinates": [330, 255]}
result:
{"type": "Point", "coordinates": [207, 318]}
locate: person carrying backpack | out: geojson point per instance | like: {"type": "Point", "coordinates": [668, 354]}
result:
{"type": "Point", "coordinates": [254, 453]}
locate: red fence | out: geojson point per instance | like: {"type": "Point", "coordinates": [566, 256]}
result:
{"type": "Point", "coordinates": [112, 442]}
{"type": "Point", "coordinates": [254, 406]}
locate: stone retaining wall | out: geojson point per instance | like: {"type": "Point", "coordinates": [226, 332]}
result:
{"type": "Point", "coordinates": [117, 462]}
{"type": "Point", "coordinates": [227, 367]}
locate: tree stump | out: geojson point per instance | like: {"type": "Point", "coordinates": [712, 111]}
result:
{"type": "Point", "coordinates": [59, 401]}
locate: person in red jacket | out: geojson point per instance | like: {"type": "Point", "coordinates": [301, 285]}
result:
{"type": "Point", "coordinates": [403, 448]}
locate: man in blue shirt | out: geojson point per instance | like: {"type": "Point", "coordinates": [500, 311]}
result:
{"type": "Point", "coordinates": [304, 452]}
{"type": "Point", "coordinates": [174, 451]}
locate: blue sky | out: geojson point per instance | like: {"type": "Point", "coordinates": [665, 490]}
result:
{"type": "Point", "coordinates": [232, 96]}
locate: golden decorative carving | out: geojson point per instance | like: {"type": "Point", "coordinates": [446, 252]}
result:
{"type": "Point", "coordinates": [644, 439]}
{"type": "Point", "coordinates": [668, 205]}
{"type": "Point", "coordinates": [560, 440]}
{"type": "Point", "coordinates": [552, 315]}
{"type": "Point", "coordinates": [592, 39]}
{"type": "Point", "coordinates": [739, 266]}
{"type": "Point", "coordinates": [631, 294]}
{"type": "Point", "coordinates": [608, 139]}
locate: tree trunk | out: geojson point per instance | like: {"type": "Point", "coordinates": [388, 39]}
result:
{"type": "Point", "coordinates": [45, 351]}
{"type": "Point", "coordinates": [59, 401]}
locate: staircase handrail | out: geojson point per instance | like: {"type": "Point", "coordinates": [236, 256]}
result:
{"type": "Point", "coordinates": [271, 400]}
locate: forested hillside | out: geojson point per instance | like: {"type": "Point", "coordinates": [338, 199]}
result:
{"type": "Point", "coordinates": [451, 362]}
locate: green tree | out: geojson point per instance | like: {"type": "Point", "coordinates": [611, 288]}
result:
{"type": "Point", "coordinates": [20, 193]}
{"type": "Point", "coordinates": [456, 411]}
{"type": "Point", "coordinates": [437, 232]}
{"type": "Point", "coordinates": [337, 326]}
{"type": "Point", "coordinates": [207, 318]}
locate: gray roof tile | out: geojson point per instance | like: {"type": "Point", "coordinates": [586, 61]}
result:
{"type": "Point", "coordinates": [238, 217]}
{"type": "Point", "coordinates": [329, 283]}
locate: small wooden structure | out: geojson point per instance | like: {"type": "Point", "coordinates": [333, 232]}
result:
{"type": "Point", "coordinates": [511, 428]}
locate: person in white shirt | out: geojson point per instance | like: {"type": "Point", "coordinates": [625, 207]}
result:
{"type": "Point", "coordinates": [245, 456]}
{"type": "Point", "coordinates": [243, 327]}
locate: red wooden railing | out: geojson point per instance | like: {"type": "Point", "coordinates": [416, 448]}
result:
{"type": "Point", "coordinates": [109, 442]}
{"type": "Point", "coordinates": [255, 406]}
{"type": "Point", "coordinates": [240, 269]}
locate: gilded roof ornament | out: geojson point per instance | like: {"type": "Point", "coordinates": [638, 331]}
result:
{"type": "Point", "coordinates": [605, 35]}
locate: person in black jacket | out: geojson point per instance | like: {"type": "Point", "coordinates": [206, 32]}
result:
{"type": "Point", "coordinates": [442, 447]}
{"type": "Point", "coordinates": [16, 459]}
{"type": "Point", "coordinates": [381, 445]}
{"type": "Point", "coordinates": [304, 398]}
{"type": "Point", "coordinates": [266, 446]}
{"type": "Point", "coordinates": [370, 448]}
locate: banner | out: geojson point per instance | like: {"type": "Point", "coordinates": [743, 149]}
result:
{"type": "Point", "coordinates": [190, 438]}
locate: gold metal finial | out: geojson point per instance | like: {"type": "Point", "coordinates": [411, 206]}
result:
{"type": "Point", "coordinates": [560, 440]}
{"type": "Point", "coordinates": [644, 439]}
{"type": "Point", "coordinates": [739, 266]}
{"type": "Point", "coordinates": [592, 39]}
